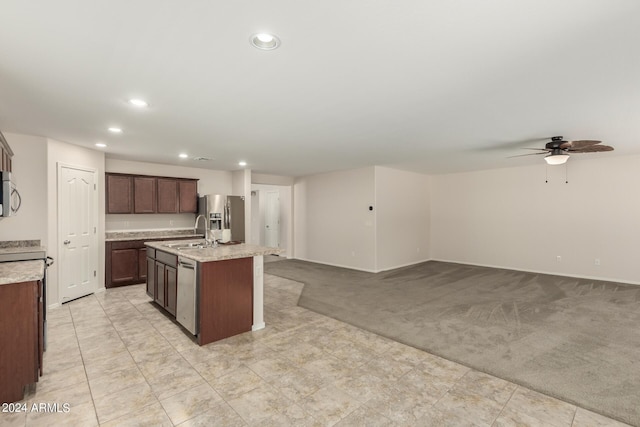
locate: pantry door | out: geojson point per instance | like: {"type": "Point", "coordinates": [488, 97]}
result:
{"type": "Point", "coordinates": [272, 219]}
{"type": "Point", "coordinates": [77, 232]}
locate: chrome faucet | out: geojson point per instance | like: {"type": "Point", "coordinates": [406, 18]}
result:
{"type": "Point", "coordinates": [206, 228]}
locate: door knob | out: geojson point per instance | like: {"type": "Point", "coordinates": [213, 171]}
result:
{"type": "Point", "coordinates": [66, 242]}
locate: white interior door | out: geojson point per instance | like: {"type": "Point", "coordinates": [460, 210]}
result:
{"type": "Point", "coordinates": [272, 219]}
{"type": "Point", "coordinates": [77, 228]}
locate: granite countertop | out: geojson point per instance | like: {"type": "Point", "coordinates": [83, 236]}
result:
{"type": "Point", "coordinates": [21, 271]}
{"type": "Point", "coordinates": [22, 249]}
{"type": "Point", "coordinates": [115, 236]}
{"type": "Point", "coordinates": [218, 253]}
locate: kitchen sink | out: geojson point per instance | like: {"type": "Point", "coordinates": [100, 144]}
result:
{"type": "Point", "coordinates": [199, 244]}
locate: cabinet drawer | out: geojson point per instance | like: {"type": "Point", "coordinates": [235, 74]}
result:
{"type": "Point", "coordinates": [167, 258]}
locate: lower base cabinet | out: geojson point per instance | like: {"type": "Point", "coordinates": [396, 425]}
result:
{"type": "Point", "coordinates": [21, 338]}
{"type": "Point", "coordinates": [126, 262]}
{"type": "Point", "coordinates": [162, 284]}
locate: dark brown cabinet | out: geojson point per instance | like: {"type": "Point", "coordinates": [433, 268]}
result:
{"type": "Point", "coordinates": [124, 266]}
{"type": "Point", "coordinates": [151, 276]}
{"type": "Point", "coordinates": [171, 285]}
{"type": "Point", "coordinates": [188, 191]}
{"type": "Point", "coordinates": [142, 264]}
{"type": "Point", "coordinates": [167, 195]}
{"type": "Point", "coordinates": [119, 193]}
{"type": "Point", "coordinates": [144, 194]}
{"type": "Point", "coordinates": [162, 286]}
{"type": "Point", "coordinates": [6, 154]}
{"type": "Point", "coordinates": [161, 290]}
{"type": "Point", "coordinates": [141, 194]}
{"type": "Point", "coordinates": [21, 338]}
{"type": "Point", "coordinates": [128, 263]}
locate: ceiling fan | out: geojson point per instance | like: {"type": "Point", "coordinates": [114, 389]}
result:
{"type": "Point", "coordinates": [557, 151]}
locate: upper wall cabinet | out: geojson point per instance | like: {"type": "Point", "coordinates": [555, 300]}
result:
{"type": "Point", "coordinates": [119, 190]}
{"type": "Point", "coordinates": [150, 194]}
{"type": "Point", "coordinates": [167, 195]}
{"type": "Point", "coordinates": [188, 193]}
{"type": "Point", "coordinates": [144, 194]}
{"type": "Point", "coordinates": [5, 154]}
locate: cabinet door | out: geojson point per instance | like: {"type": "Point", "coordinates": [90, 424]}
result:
{"type": "Point", "coordinates": [151, 283]}
{"type": "Point", "coordinates": [124, 265]}
{"type": "Point", "coordinates": [119, 193]}
{"type": "Point", "coordinates": [142, 264]}
{"type": "Point", "coordinates": [40, 326]}
{"type": "Point", "coordinates": [188, 196]}
{"type": "Point", "coordinates": [172, 288]}
{"type": "Point", "coordinates": [160, 283]}
{"type": "Point", "coordinates": [144, 194]}
{"type": "Point", "coordinates": [167, 195]}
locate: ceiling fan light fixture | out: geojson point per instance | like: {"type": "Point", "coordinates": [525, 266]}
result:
{"type": "Point", "coordinates": [265, 41]}
{"type": "Point", "coordinates": [556, 159]}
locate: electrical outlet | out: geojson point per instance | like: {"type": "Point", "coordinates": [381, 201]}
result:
{"type": "Point", "coordinates": [126, 223]}
{"type": "Point", "coordinates": [353, 253]}
{"type": "Point", "coordinates": [171, 222]}
{"type": "Point", "coordinates": [559, 258]}
{"type": "Point", "coordinates": [418, 250]}
{"type": "Point", "coordinates": [597, 261]}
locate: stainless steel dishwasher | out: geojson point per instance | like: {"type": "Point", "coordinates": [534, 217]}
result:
{"type": "Point", "coordinates": [187, 298]}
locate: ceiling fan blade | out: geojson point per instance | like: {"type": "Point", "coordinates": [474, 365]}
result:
{"type": "Point", "coordinates": [543, 149]}
{"type": "Point", "coordinates": [579, 144]}
{"type": "Point", "coordinates": [591, 149]}
{"type": "Point", "coordinates": [532, 154]}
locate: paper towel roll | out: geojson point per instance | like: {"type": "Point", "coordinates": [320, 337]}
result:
{"type": "Point", "coordinates": [226, 235]}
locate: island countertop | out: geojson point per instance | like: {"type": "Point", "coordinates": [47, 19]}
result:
{"type": "Point", "coordinates": [21, 271]}
{"type": "Point", "coordinates": [220, 252]}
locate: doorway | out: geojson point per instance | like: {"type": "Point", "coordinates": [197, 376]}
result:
{"type": "Point", "coordinates": [77, 232]}
{"type": "Point", "coordinates": [272, 216]}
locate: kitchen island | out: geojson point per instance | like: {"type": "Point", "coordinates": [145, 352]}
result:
{"type": "Point", "coordinates": [214, 292]}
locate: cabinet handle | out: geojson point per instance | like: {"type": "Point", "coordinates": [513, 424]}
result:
{"type": "Point", "coordinates": [66, 242]}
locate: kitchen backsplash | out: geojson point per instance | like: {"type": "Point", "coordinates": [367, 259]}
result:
{"type": "Point", "coordinates": [141, 222]}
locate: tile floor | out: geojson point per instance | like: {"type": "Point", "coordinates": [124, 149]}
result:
{"type": "Point", "coordinates": [117, 360]}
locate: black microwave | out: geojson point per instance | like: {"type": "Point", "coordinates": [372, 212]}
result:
{"type": "Point", "coordinates": [9, 197]}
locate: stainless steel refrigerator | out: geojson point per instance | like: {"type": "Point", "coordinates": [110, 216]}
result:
{"type": "Point", "coordinates": [223, 213]}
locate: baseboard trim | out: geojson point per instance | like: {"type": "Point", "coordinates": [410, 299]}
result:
{"type": "Point", "coordinates": [551, 273]}
{"type": "Point", "coordinates": [336, 265]}
{"type": "Point", "coordinates": [258, 326]}
{"type": "Point", "coordinates": [52, 306]}
{"type": "Point", "coordinates": [403, 265]}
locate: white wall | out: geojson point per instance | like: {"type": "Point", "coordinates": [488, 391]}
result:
{"type": "Point", "coordinates": [242, 187]}
{"type": "Point", "coordinates": [209, 182]}
{"type": "Point", "coordinates": [333, 224]}
{"type": "Point", "coordinates": [402, 218]}
{"type": "Point", "coordinates": [286, 215]}
{"type": "Point", "coordinates": [30, 174]}
{"type": "Point", "coordinates": [260, 178]}
{"type": "Point", "coordinates": [75, 156]}
{"type": "Point", "coordinates": [511, 218]}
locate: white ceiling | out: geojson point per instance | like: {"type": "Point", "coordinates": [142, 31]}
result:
{"type": "Point", "coordinates": [427, 85]}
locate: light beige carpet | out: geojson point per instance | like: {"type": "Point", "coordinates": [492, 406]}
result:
{"type": "Point", "coordinates": [574, 339]}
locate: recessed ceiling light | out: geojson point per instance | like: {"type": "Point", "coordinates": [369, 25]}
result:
{"type": "Point", "coordinates": [265, 41]}
{"type": "Point", "coordinates": [138, 102]}
{"type": "Point", "coordinates": [115, 130]}
{"type": "Point", "coordinates": [242, 163]}
{"type": "Point", "coordinates": [183, 155]}
{"type": "Point", "coordinates": [101, 144]}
